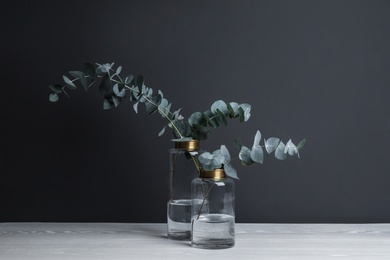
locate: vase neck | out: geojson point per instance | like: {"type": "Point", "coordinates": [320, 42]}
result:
{"type": "Point", "coordinates": [215, 174]}
{"type": "Point", "coordinates": [189, 146]}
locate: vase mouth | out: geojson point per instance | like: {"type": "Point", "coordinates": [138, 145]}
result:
{"type": "Point", "coordinates": [191, 145]}
{"type": "Point", "coordinates": [216, 174]}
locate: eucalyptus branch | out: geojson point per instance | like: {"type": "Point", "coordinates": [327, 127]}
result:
{"type": "Point", "coordinates": [221, 158]}
{"type": "Point", "coordinates": [113, 96]}
{"type": "Point", "coordinates": [197, 125]}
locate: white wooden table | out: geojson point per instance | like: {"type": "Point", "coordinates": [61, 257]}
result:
{"type": "Point", "coordinates": [148, 241]}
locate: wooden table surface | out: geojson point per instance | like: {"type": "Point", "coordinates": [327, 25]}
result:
{"type": "Point", "coordinates": [148, 241]}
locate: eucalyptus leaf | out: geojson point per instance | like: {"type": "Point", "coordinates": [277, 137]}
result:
{"type": "Point", "coordinates": [233, 109]}
{"type": "Point", "coordinates": [150, 92]}
{"type": "Point", "coordinates": [152, 104]}
{"type": "Point", "coordinates": [205, 158]}
{"type": "Point", "coordinates": [245, 156]}
{"type": "Point", "coordinates": [219, 105]}
{"type": "Point", "coordinates": [115, 88]}
{"type": "Point", "coordinates": [230, 171]}
{"type": "Point", "coordinates": [119, 93]}
{"type": "Point", "coordinates": [103, 68]}
{"type": "Point", "coordinates": [196, 118]}
{"type": "Point", "coordinates": [225, 153]}
{"type": "Point", "coordinates": [162, 131]}
{"type": "Point", "coordinates": [215, 121]}
{"type": "Point", "coordinates": [134, 93]}
{"type": "Point", "coordinates": [116, 101]}
{"type": "Point", "coordinates": [143, 93]}
{"type": "Point", "coordinates": [241, 114]}
{"type": "Point", "coordinates": [257, 154]}
{"type": "Point", "coordinates": [164, 107]}
{"type": "Point", "coordinates": [118, 70]}
{"type": "Point", "coordinates": [301, 144]}
{"type": "Point", "coordinates": [290, 148]}
{"type": "Point", "coordinates": [107, 104]}
{"type": "Point", "coordinates": [76, 74]}
{"type": "Point", "coordinates": [107, 66]}
{"type": "Point", "coordinates": [247, 111]}
{"type": "Point", "coordinates": [69, 83]}
{"type": "Point", "coordinates": [222, 117]}
{"type": "Point", "coordinates": [271, 144]}
{"type": "Point", "coordinates": [218, 158]}
{"type": "Point", "coordinates": [238, 143]}
{"type": "Point", "coordinates": [176, 115]}
{"type": "Point", "coordinates": [183, 127]}
{"type": "Point", "coordinates": [129, 79]}
{"type": "Point", "coordinates": [135, 107]}
{"type": "Point", "coordinates": [279, 152]}
{"type": "Point", "coordinates": [53, 97]}
{"type": "Point", "coordinates": [206, 117]}
{"type": "Point", "coordinates": [257, 138]}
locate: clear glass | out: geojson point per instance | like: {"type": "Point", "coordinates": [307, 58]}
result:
{"type": "Point", "coordinates": [182, 170]}
{"type": "Point", "coordinates": [212, 219]}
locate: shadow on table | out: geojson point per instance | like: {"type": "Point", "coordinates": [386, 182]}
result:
{"type": "Point", "coordinates": [156, 232]}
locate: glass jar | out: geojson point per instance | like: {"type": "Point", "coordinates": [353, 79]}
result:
{"type": "Point", "coordinates": [212, 210]}
{"type": "Point", "coordinates": [183, 168]}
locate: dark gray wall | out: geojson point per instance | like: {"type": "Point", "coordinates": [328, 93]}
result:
{"type": "Point", "coordinates": [311, 69]}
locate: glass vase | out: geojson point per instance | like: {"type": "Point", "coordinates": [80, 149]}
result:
{"type": "Point", "coordinates": [212, 210]}
{"type": "Point", "coordinates": [183, 168]}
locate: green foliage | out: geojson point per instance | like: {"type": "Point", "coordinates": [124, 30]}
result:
{"type": "Point", "coordinates": [218, 114]}
{"type": "Point", "coordinates": [221, 158]}
{"type": "Point", "coordinates": [114, 89]}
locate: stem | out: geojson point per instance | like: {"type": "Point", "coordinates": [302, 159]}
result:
{"type": "Point", "coordinates": [171, 177]}
{"type": "Point", "coordinates": [147, 98]}
{"type": "Point", "coordinates": [196, 163]}
{"type": "Point", "coordinates": [161, 111]}
{"type": "Point", "coordinates": [204, 199]}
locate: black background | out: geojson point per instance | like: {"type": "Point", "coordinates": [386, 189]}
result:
{"type": "Point", "coordinates": [310, 69]}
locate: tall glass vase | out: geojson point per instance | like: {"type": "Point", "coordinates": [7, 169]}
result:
{"type": "Point", "coordinates": [183, 168]}
{"type": "Point", "coordinates": [212, 219]}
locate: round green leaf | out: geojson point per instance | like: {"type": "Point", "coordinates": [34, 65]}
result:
{"type": "Point", "coordinates": [196, 118]}
{"type": "Point", "coordinates": [53, 97]}
{"type": "Point", "coordinates": [257, 154]}
{"type": "Point", "coordinates": [225, 153]}
{"type": "Point", "coordinates": [279, 152]}
{"type": "Point", "coordinates": [271, 144]}
{"type": "Point", "coordinates": [245, 156]}
{"type": "Point", "coordinates": [230, 171]}
{"type": "Point", "coordinates": [69, 83]}
{"type": "Point", "coordinates": [221, 105]}
{"type": "Point", "coordinates": [107, 104]}
{"type": "Point", "coordinates": [290, 148]}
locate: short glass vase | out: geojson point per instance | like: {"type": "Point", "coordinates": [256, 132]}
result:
{"type": "Point", "coordinates": [213, 220]}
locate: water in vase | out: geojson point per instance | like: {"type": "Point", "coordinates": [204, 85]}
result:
{"type": "Point", "coordinates": [213, 231]}
{"type": "Point", "coordinates": [179, 219]}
